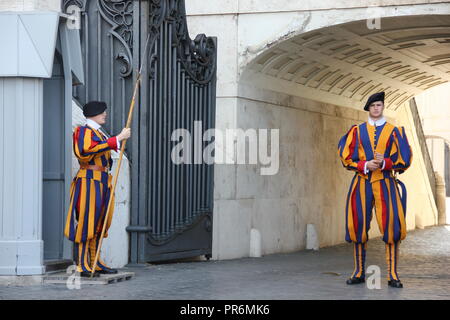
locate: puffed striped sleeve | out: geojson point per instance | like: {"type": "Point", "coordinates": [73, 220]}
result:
{"type": "Point", "coordinates": [86, 144]}
{"type": "Point", "coordinates": [348, 150]}
{"type": "Point", "coordinates": [400, 157]}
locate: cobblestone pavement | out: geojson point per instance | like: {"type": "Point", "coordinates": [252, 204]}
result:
{"type": "Point", "coordinates": [424, 269]}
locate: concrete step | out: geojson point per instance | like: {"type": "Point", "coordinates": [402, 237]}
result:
{"type": "Point", "coordinates": [52, 266]}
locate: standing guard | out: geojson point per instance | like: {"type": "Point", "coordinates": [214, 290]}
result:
{"type": "Point", "coordinates": [91, 188]}
{"type": "Point", "coordinates": [375, 150]}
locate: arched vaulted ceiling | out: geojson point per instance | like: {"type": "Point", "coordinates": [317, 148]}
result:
{"type": "Point", "coordinates": [349, 62]}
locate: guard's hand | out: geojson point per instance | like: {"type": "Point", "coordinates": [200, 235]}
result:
{"type": "Point", "coordinates": [379, 157]}
{"type": "Point", "coordinates": [125, 134]}
{"type": "Point", "coordinates": [373, 165]}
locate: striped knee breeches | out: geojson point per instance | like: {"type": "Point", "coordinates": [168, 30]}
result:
{"type": "Point", "coordinates": [390, 208]}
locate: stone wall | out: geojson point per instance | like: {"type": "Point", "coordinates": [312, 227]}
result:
{"type": "Point", "coordinates": [30, 5]}
{"type": "Point", "coordinates": [311, 186]}
{"type": "Point", "coordinates": [434, 108]}
{"type": "Point", "coordinates": [421, 203]}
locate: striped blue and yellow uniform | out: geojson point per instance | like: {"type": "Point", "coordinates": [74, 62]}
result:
{"type": "Point", "coordinates": [89, 193]}
{"type": "Point", "coordinates": [379, 188]}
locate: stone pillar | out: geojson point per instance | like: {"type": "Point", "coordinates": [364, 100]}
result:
{"type": "Point", "coordinates": [21, 245]}
{"type": "Point", "coordinates": [26, 58]}
{"type": "Point", "coordinates": [440, 199]}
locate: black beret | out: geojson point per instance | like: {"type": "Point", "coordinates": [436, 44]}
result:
{"type": "Point", "coordinates": [379, 96]}
{"type": "Point", "coordinates": [93, 108]}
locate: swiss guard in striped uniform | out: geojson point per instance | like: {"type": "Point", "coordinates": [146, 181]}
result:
{"type": "Point", "coordinates": [375, 150]}
{"type": "Point", "coordinates": [90, 189]}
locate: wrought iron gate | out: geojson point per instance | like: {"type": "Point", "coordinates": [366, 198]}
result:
{"type": "Point", "coordinates": [171, 204]}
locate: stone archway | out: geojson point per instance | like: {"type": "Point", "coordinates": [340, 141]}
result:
{"type": "Point", "coordinates": [312, 86]}
{"type": "Point", "coordinates": [252, 93]}
{"type": "Point", "coordinates": [343, 64]}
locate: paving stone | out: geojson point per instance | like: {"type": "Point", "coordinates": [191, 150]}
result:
{"type": "Point", "coordinates": [423, 268]}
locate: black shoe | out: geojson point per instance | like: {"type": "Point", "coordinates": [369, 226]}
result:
{"type": "Point", "coordinates": [355, 280]}
{"type": "Point", "coordinates": [395, 283]}
{"type": "Point", "coordinates": [87, 274]}
{"type": "Point", "coordinates": [107, 271]}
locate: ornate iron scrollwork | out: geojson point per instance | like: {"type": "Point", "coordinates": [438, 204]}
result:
{"type": "Point", "coordinates": [119, 15]}
{"type": "Point", "coordinates": [157, 13]}
{"type": "Point", "coordinates": [79, 3]}
{"type": "Point", "coordinates": [199, 55]}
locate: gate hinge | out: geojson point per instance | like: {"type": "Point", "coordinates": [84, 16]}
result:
{"type": "Point", "coordinates": [138, 229]}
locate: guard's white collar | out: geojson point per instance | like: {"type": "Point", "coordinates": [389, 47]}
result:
{"type": "Point", "coordinates": [378, 122]}
{"type": "Point", "coordinates": [91, 123]}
